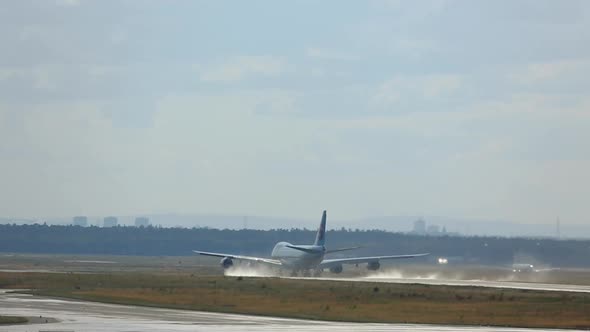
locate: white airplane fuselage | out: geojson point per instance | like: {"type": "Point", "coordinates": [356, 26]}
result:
{"type": "Point", "coordinates": [297, 259]}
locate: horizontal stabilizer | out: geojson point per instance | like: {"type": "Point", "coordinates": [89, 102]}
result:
{"type": "Point", "coordinates": [341, 249]}
{"type": "Point", "coordinates": [307, 250]}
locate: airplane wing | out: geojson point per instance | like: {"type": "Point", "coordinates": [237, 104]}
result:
{"type": "Point", "coordinates": [328, 263]}
{"type": "Point", "coordinates": [240, 257]}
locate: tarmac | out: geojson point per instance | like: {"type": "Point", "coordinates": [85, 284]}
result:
{"type": "Point", "coordinates": [71, 315]}
{"type": "Point", "coordinates": [475, 283]}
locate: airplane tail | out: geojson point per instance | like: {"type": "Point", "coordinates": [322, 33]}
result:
{"type": "Point", "coordinates": [320, 238]}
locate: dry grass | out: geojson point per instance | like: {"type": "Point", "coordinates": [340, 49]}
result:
{"type": "Point", "coordinates": [316, 299]}
{"type": "Point", "coordinates": [10, 320]}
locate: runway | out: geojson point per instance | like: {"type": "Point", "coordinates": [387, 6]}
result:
{"type": "Point", "coordinates": [99, 317]}
{"type": "Point", "coordinates": [432, 279]}
{"type": "Point", "coordinates": [475, 283]}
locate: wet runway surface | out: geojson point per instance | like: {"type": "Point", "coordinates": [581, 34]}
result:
{"type": "Point", "coordinates": [91, 316]}
{"type": "Point", "coordinates": [476, 283]}
{"type": "Point", "coordinates": [433, 279]}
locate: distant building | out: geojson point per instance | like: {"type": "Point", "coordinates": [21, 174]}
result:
{"type": "Point", "coordinates": [433, 230]}
{"type": "Point", "coordinates": [80, 221]}
{"type": "Point", "coordinates": [142, 221]}
{"type": "Point", "coordinates": [419, 226]}
{"type": "Point", "coordinates": [110, 222]}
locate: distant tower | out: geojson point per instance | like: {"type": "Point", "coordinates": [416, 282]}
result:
{"type": "Point", "coordinates": [558, 228]}
{"type": "Point", "coordinates": [80, 221]}
{"type": "Point", "coordinates": [109, 222]}
{"type": "Point", "coordinates": [433, 230]}
{"type": "Point", "coordinates": [142, 222]}
{"type": "Point", "coordinates": [419, 226]}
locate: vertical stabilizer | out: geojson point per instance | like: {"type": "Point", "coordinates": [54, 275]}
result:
{"type": "Point", "coordinates": [320, 238]}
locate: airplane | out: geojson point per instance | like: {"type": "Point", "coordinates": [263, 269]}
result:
{"type": "Point", "coordinates": [306, 258]}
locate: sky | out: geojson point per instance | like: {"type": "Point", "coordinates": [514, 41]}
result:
{"type": "Point", "coordinates": [467, 109]}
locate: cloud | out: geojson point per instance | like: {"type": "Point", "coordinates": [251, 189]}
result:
{"type": "Point", "coordinates": [68, 3]}
{"type": "Point", "coordinates": [398, 100]}
{"type": "Point", "coordinates": [242, 67]}
{"type": "Point", "coordinates": [414, 11]}
{"type": "Point", "coordinates": [540, 72]}
{"type": "Point", "coordinates": [43, 82]}
{"type": "Point", "coordinates": [61, 157]}
{"type": "Point", "coordinates": [416, 88]}
{"type": "Point", "coordinates": [35, 77]}
{"type": "Point", "coordinates": [327, 54]}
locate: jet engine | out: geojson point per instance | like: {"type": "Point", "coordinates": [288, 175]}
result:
{"type": "Point", "coordinates": [226, 263]}
{"type": "Point", "coordinates": [373, 266]}
{"type": "Point", "coordinates": [336, 269]}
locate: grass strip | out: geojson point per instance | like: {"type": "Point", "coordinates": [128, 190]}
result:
{"type": "Point", "coordinates": [10, 320]}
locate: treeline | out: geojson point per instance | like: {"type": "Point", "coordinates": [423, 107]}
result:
{"type": "Point", "coordinates": [155, 241]}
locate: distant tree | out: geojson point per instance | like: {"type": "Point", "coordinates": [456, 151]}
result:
{"type": "Point", "coordinates": [124, 240]}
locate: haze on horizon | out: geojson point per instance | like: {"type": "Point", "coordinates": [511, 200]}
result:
{"type": "Point", "coordinates": [378, 108]}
